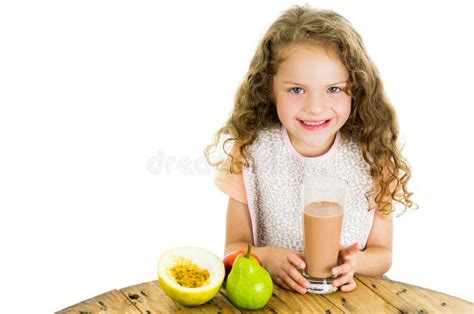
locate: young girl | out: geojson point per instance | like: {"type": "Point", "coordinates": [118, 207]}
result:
{"type": "Point", "coordinates": [312, 102]}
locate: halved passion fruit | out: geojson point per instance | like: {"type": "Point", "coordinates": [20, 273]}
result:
{"type": "Point", "coordinates": [190, 275]}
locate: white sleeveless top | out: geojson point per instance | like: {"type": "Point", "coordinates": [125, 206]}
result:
{"type": "Point", "coordinates": [273, 183]}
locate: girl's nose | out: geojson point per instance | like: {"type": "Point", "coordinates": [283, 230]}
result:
{"type": "Point", "coordinates": [315, 104]}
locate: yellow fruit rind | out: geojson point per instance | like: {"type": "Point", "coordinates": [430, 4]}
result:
{"type": "Point", "coordinates": [189, 298]}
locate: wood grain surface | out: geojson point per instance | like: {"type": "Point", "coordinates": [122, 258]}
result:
{"type": "Point", "coordinates": [372, 295]}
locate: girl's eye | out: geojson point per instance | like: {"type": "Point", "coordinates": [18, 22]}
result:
{"type": "Point", "coordinates": [296, 90]}
{"type": "Point", "coordinates": [334, 90]}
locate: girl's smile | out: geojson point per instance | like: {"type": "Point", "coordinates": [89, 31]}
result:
{"type": "Point", "coordinates": [314, 125]}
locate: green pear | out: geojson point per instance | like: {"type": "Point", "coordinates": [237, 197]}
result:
{"type": "Point", "coordinates": [249, 286]}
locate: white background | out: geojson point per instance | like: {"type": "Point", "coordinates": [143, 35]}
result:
{"type": "Point", "coordinates": [99, 99]}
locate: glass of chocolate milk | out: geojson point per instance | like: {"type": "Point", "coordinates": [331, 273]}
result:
{"type": "Point", "coordinates": [323, 207]}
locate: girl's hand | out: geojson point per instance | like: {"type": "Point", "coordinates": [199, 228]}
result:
{"type": "Point", "coordinates": [346, 271]}
{"type": "Point", "coordinates": [283, 265]}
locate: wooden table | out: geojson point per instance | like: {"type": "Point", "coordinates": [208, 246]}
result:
{"type": "Point", "coordinates": [372, 295]}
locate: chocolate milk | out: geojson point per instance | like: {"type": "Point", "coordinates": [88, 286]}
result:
{"type": "Point", "coordinates": [322, 224]}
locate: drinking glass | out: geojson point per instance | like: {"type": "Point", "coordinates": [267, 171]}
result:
{"type": "Point", "coordinates": [323, 199]}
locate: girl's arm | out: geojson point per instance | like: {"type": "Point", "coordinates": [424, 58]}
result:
{"type": "Point", "coordinates": [376, 259]}
{"type": "Point", "coordinates": [238, 228]}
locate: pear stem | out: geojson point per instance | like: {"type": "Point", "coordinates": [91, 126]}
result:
{"type": "Point", "coordinates": [249, 248]}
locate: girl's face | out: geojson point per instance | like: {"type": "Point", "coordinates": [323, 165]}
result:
{"type": "Point", "coordinates": [310, 98]}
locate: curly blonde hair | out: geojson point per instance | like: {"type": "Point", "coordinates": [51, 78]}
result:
{"type": "Point", "coordinates": [372, 122]}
